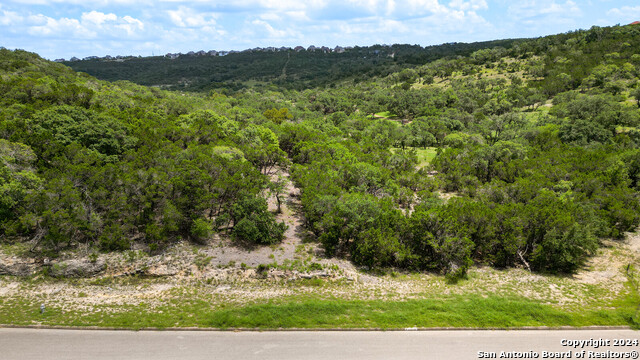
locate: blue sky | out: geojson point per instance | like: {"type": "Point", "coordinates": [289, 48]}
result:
{"type": "Point", "coordinates": [66, 28]}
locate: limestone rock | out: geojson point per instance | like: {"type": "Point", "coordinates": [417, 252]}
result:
{"type": "Point", "coordinates": [77, 268]}
{"type": "Point", "coordinates": [18, 269]}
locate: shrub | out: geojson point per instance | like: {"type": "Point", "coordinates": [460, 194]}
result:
{"type": "Point", "coordinates": [201, 230]}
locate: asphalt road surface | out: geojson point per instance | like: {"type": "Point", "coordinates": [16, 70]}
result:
{"type": "Point", "coordinates": [26, 344]}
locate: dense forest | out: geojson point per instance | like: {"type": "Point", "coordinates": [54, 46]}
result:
{"type": "Point", "coordinates": [535, 146]}
{"type": "Point", "coordinates": [288, 69]}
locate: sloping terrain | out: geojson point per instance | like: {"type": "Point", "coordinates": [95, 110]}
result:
{"type": "Point", "coordinates": [304, 69]}
{"type": "Point", "coordinates": [495, 189]}
{"type": "Point", "coordinates": [191, 293]}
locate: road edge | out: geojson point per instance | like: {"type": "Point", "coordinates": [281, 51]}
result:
{"type": "Point", "coordinates": [98, 328]}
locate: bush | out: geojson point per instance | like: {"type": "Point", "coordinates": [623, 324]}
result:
{"type": "Point", "coordinates": [378, 247]}
{"type": "Point", "coordinates": [259, 228]}
{"type": "Point", "coordinates": [201, 230]}
{"type": "Point", "coordinates": [113, 239]}
{"type": "Point", "coordinates": [563, 251]}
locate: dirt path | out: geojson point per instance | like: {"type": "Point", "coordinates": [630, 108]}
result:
{"type": "Point", "coordinates": [223, 252]}
{"type": "Point", "coordinates": [283, 75]}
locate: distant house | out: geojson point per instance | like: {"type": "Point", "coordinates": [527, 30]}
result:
{"type": "Point", "coordinates": [298, 48]}
{"type": "Point", "coordinates": [635, 23]}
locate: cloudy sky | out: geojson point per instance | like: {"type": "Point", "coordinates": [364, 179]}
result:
{"type": "Point", "coordinates": [66, 28]}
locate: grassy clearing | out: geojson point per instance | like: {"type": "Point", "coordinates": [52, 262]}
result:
{"type": "Point", "coordinates": [425, 156]}
{"type": "Point", "coordinates": [386, 115]}
{"type": "Point", "coordinates": [625, 129]}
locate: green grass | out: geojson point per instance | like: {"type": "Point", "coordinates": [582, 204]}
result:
{"type": "Point", "coordinates": [308, 312]}
{"type": "Point", "coordinates": [453, 312]}
{"type": "Point", "coordinates": [486, 299]}
{"type": "Point", "coordinates": [625, 129]}
{"type": "Point", "coordinates": [17, 249]}
{"type": "Point", "coordinates": [387, 115]}
{"type": "Point", "coordinates": [425, 156]}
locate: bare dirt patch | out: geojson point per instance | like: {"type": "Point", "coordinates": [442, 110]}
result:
{"type": "Point", "coordinates": [609, 265]}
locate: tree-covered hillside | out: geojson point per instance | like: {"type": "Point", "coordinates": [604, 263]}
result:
{"type": "Point", "coordinates": [535, 147]}
{"type": "Point", "coordinates": [85, 161]}
{"type": "Point", "coordinates": [286, 68]}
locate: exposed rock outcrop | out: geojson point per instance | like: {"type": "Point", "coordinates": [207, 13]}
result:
{"type": "Point", "coordinates": [77, 268]}
{"type": "Point", "coordinates": [17, 269]}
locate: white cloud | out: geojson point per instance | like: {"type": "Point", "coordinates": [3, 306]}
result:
{"type": "Point", "coordinates": [625, 13]}
{"type": "Point", "coordinates": [384, 26]}
{"type": "Point", "coordinates": [427, 6]}
{"type": "Point", "coordinates": [349, 22]}
{"type": "Point", "coordinates": [284, 4]}
{"type": "Point", "coordinates": [31, 2]}
{"type": "Point", "coordinates": [130, 25]}
{"type": "Point", "coordinates": [537, 8]}
{"type": "Point", "coordinates": [84, 3]}
{"type": "Point", "coordinates": [543, 17]}
{"type": "Point", "coordinates": [98, 27]}
{"type": "Point", "coordinates": [186, 17]}
{"type": "Point", "coordinates": [469, 5]}
{"type": "Point", "coordinates": [53, 27]}
{"type": "Point", "coordinates": [98, 18]}
{"type": "Point", "coordinates": [272, 32]}
{"type": "Point", "coordinates": [297, 15]}
{"type": "Point", "coordinates": [272, 16]}
{"type": "Point", "coordinates": [10, 18]}
{"type": "Point", "coordinates": [391, 7]}
{"type": "Point", "coordinates": [90, 25]}
{"type": "Point", "coordinates": [38, 19]}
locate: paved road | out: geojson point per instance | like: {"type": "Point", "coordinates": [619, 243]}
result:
{"type": "Point", "coordinates": [26, 344]}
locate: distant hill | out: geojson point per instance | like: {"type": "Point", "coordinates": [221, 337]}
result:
{"type": "Point", "coordinates": [287, 68]}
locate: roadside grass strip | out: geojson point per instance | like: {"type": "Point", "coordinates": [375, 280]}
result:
{"type": "Point", "coordinates": [308, 312]}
